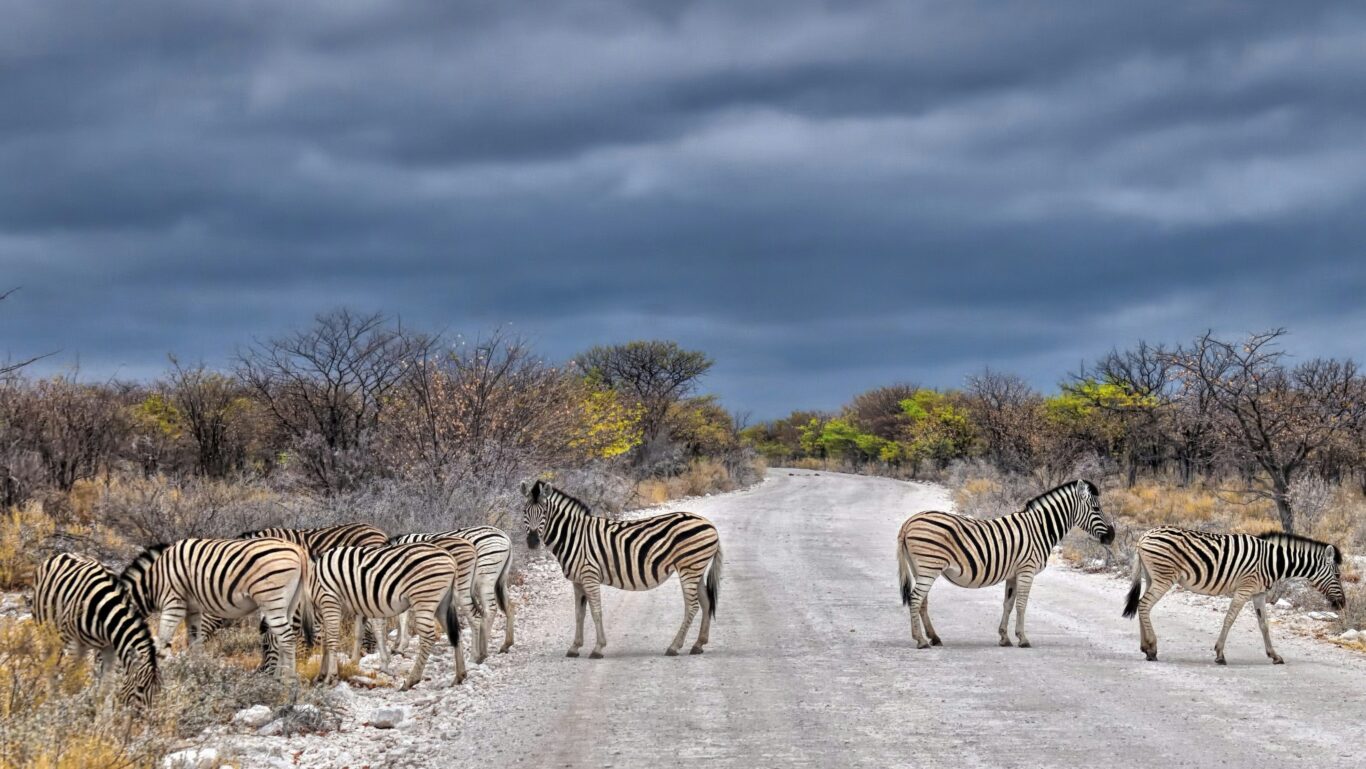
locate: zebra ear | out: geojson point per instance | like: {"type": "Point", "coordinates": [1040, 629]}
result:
{"type": "Point", "coordinates": [525, 490]}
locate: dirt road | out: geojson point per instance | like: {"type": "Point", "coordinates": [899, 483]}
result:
{"type": "Point", "coordinates": [811, 664]}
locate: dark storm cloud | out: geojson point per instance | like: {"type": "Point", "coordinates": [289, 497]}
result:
{"type": "Point", "coordinates": [825, 196]}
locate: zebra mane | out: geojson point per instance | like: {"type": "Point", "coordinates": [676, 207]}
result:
{"type": "Point", "coordinates": [1034, 503]}
{"type": "Point", "coordinates": [583, 508]}
{"type": "Point", "coordinates": [1282, 538]}
{"type": "Point", "coordinates": [143, 560]}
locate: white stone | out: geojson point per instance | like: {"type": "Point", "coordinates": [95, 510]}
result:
{"type": "Point", "coordinates": [1351, 635]}
{"type": "Point", "coordinates": [1322, 616]}
{"type": "Point", "coordinates": [388, 717]}
{"type": "Point", "coordinates": [194, 758]}
{"type": "Point", "coordinates": [254, 717]}
{"type": "Point", "coordinates": [1283, 604]}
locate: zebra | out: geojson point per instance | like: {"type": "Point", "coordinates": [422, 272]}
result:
{"type": "Point", "coordinates": [1238, 565]}
{"type": "Point", "coordinates": [972, 552]}
{"type": "Point", "coordinates": [494, 547]}
{"type": "Point", "coordinates": [382, 582]}
{"type": "Point", "coordinates": [630, 555]}
{"type": "Point", "coordinates": [317, 541]}
{"type": "Point", "coordinates": [91, 610]}
{"type": "Point", "coordinates": [227, 578]}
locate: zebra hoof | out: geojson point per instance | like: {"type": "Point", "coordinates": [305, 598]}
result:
{"type": "Point", "coordinates": [596, 655]}
{"type": "Point", "coordinates": [1024, 644]}
{"type": "Point", "coordinates": [1276, 660]}
{"type": "Point", "coordinates": [934, 641]}
{"type": "Point", "coordinates": [670, 652]}
{"type": "Point", "coordinates": [1220, 661]}
{"type": "Point", "coordinates": [1152, 656]}
{"type": "Point", "coordinates": [504, 649]}
{"type": "Point", "coordinates": [922, 645]}
{"type": "Point", "coordinates": [695, 650]}
{"type": "Point", "coordinates": [1005, 642]}
{"type": "Point", "coordinates": [572, 653]}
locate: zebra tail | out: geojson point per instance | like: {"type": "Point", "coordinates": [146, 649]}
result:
{"type": "Point", "coordinates": [714, 581]}
{"type": "Point", "coordinates": [476, 604]}
{"type": "Point", "coordinates": [307, 620]}
{"type": "Point", "coordinates": [905, 570]}
{"type": "Point", "coordinates": [450, 617]}
{"type": "Point", "coordinates": [500, 586]}
{"type": "Point", "coordinates": [1135, 589]}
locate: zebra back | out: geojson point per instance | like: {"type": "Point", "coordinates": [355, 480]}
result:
{"type": "Point", "coordinates": [213, 574]}
{"type": "Point", "coordinates": [89, 607]}
{"type": "Point", "coordinates": [319, 540]}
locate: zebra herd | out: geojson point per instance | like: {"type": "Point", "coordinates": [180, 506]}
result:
{"type": "Point", "coordinates": [316, 578]}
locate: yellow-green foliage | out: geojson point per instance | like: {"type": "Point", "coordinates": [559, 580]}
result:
{"type": "Point", "coordinates": [608, 427]}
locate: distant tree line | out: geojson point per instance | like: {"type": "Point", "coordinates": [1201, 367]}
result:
{"type": "Point", "coordinates": [1237, 411]}
{"type": "Point", "coordinates": [355, 398]}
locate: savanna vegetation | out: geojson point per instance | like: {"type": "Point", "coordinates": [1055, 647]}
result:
{"type": "Point", "coordinates": [354, 417]}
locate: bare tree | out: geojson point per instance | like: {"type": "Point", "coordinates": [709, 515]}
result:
{"type": "Point", "coordinates": [1275, 417]}
{"type": "Point", "coordinates": [1141, 379]}
{"type": "Point", "coordinates": [71, 429]}
{"type": "Point", "coordinates": [324, 387]}
{"type": "Point", "coordinates": [216, 411]}
{"type": "Point", "coordinates": [655, 374]}
{"type": "Point", "coordinates": [879, 412]}
{"type": "Point", "coordinates": [1006, 411]}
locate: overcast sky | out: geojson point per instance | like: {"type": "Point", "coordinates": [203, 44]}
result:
{"type": "Point", "coordinates": [823, 196]}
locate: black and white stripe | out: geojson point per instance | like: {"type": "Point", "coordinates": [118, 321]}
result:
{"type": "Point", "coordinates": [973, 552]}
{"type": "Point", "coordinates": [91, 611]}
{"type": "Point", "coordinates": [228, 578]}
{"type": "Point", "coordinates": [494, 548]}
{"type": "Point", "coordinates": [630, 555]}
{"type": "Point", "coordinates": [376, 583]}
{"type": "Point", "coordinates": [324, 538]}
{"type": "Point", "coordinates": [1237, 565]}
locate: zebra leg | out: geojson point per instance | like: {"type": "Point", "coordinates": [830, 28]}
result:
{"type": "Point", "coordinates": [918, 596]}
{"type": "Point", "coordinates": [485, 624]}
{"type": "Point", "coordinates": [194, 627]}
{"type": "Point", "coordinates": [282, 628]}
{"type": "Point", "coordinates": [925, 621]}
{"type": "Point", "coordinates": [504, 605]}
{"type": "Point", "coordinates": [1022, 584]}
{"type": "Point", "coordinates": [690, 583]}
{"type": "Point", "coordinates": [1004, 629]}
{"type": "Point", "coordinates": [379, 629]}
{"type": "Point", "coordinates": [580, 605]}
{"type": "Point", "coordinates": [703, 633]}
{"type": "Point", "coordinates": [593, 589]}
{"type": "Point", "coordinates": [330, 614]}
{"type": "Point", "coordinates": [1147, 636]}
{"type": "Point", "coordinates": [1235, 606]}
{"type": "Point", "coordinates": [405, 635]}
{"type": "Point", "coordinates": [424, 625]}
{"type": "Point", "coordinates": [1259, 605]}
{"type": "Point", "coordinates": [172, 614]}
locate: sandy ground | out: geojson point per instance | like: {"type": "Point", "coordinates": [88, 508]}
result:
{"type": "Point", "coordinates": [811, 664]}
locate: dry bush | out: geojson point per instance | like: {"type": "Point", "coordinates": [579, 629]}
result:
{"type": "Point", "coordinates": [160, 509]}
{"type": "Point", "coordinates": [23, 530]}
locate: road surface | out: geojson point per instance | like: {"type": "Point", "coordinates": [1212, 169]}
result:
{"type": "Point", "coordinates": [811, 664]}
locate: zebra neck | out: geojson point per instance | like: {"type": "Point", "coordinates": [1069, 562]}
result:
{"type": "Point", "coordinates": [1053, 525]}
{"type": "Point", "coordinates": [560, 518]}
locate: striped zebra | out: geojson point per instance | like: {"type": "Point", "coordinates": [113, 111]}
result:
{"type": "Point", "coordinates": [226, 578]}
{"type": "Point", "coordinates": [382, 582]}
{"type": "Point", "coordinates": [91, 611]}
{"type": "Point", "coordinates": [1237, 565]}
{"type": "Point", "coordinates": [972, 552]}
{"type": "Point", "coordinates": [494, 547]}
{"type": "Point", "coordinates": [630, 555]}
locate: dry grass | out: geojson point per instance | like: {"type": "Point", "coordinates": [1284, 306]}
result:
{"type": "Point", "coordinates": [703, 476]}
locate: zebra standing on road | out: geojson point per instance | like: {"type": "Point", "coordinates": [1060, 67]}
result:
{"type": "Point", "coordinates": [494, 547]}
{"type": "Point", "coordinates": [90, 609]}
{"type": "Point", "coordinates": [1238, 565]}
{"type": "Point", "coordinates": [972, 552]}
{"type": "Point", "coordinates": [226, 578]}
{"type": "Point", "coordinates": [630, 555]}
{"type": "Point", "coordinates": [382, 582]}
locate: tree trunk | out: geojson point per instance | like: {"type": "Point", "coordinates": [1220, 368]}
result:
{"type": "Point", "coordinates": [1281, 489]}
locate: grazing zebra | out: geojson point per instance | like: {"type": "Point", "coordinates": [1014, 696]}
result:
{"type": "Point", "coordinates": [382, 582]}
{"type": "Point", "coordinates": [494, 547]}
{"type": "Point", "coordinates": [91, 611]}
{"type": "Point", "coordinates": [973, 552]}
{"type": "Point", "coordinates": [1237, 565]}
{"type": "Point", "coordinates": [630, 555]}
{"type": "Point", "coordinates": [226, 578]}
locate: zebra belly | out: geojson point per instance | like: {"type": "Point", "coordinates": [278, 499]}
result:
{"type": "Point", "coordinates": [957, 577]}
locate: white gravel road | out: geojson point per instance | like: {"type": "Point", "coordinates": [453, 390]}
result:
{"type": "Point", "coordinates": [811, 664]}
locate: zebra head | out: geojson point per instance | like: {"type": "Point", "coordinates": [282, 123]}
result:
{"type": "Point", "coordinates": [141, 683]}
{"type": "Point", "coordinates": [1089, 516]}
{"type": "Point", "coordinates": [1318, 562]}
{"type": "Point", "coordinates": [533, 512]}
{"type": "Point", "coordinates": [1328, 577]}
{"type": "Point", "coordinates": [136, 579]}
